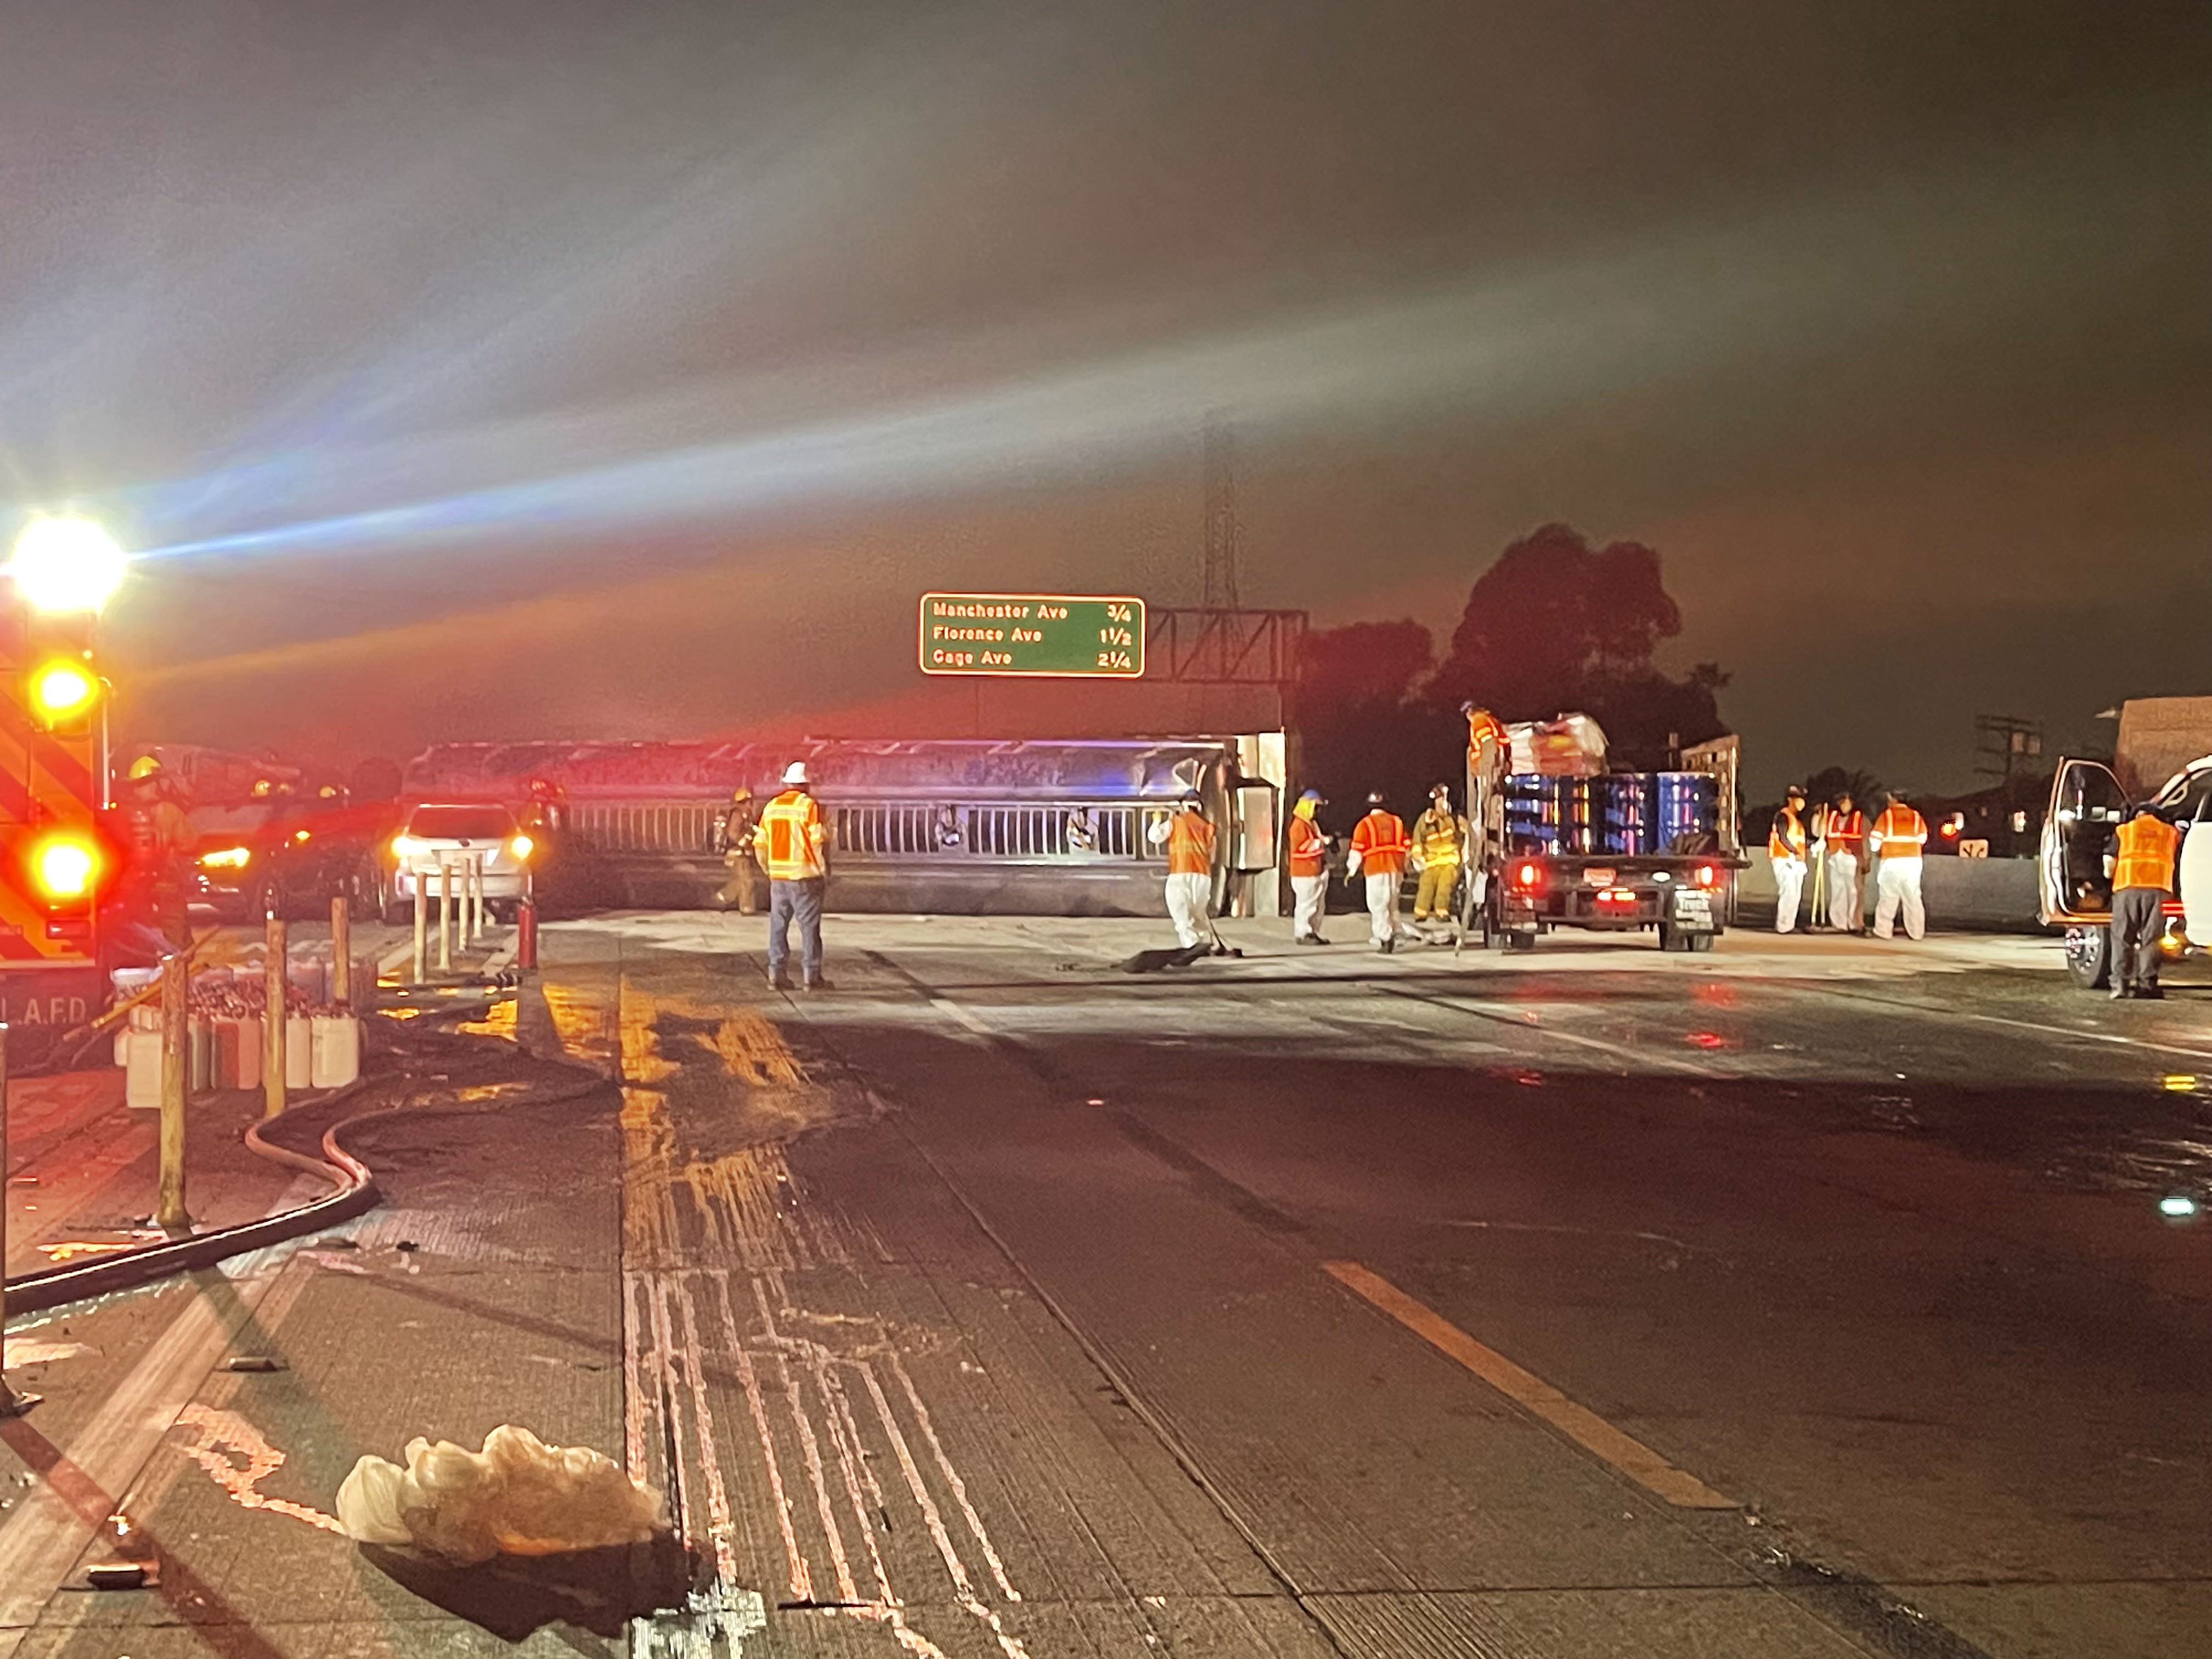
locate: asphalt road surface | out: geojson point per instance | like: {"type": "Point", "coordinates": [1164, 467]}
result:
{"type": "Point", "coordinates": [1812, 1297]}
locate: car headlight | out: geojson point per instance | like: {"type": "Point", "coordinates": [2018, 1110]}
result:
{"type": "Point", "coordinates": [227, 857]}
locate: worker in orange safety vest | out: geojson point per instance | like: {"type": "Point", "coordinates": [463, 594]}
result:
{"type": "Point", "coordinates": [789, 844]}
{"type": "Point", "coordinates": [1309, 867]}
{"type": "Point", "coordinates": [2140, 861]}
{"type": "Point", "coordinates": [1899, 834]}
{"type": "Point", "coordinates": [1842, 834]}
{"type": "Point", "coordinates": [1788, 844]}
{"type": "Point", "coordinates": [1188, 838]}
{"type": "Point", "coordinates": [1378, 852]}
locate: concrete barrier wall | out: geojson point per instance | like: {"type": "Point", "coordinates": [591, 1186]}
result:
{"type": "Point", "coordinates": [1987, 894]}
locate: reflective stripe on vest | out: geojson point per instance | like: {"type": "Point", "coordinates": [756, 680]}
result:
{"type": "Point", "coordinates": [1903, 826]}
{"type": "Point", "coordinates": [2146, 854]}
{"type": "Point", "coordinates": [1380, 841]}
{"type": "Point", "coordinates": [1439, 837]}
{"type": "Point", "coordinates": [1308, 847]}
{"type": "Point", "coordinates": [791, 832]}
{"type": "Point", "coordinates": [1190, 845]}
{"type": "Point", "coordinates": [1786, 840]}
{"type": "Point", "coordinates": [1846, 827]}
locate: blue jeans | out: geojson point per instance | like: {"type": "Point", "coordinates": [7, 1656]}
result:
{"type": "Point", "coordinates": [801, 901]}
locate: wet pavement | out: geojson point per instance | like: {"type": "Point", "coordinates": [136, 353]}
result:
{"type": "Point", "coordinates": [1812, 1297]}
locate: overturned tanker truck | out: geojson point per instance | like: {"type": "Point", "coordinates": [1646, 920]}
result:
{"type": "Point", "coordinates": [934, 826]}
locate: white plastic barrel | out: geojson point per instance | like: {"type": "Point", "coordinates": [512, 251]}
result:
{"type": "Point", "coordinates": [299, 1051]}
{"type": "Point", "coordinates": [141, 1070]}
{"type": "Point", "coordinates": [336, 1051]}
{"type": "Point", "coordinates": [249, 1051]}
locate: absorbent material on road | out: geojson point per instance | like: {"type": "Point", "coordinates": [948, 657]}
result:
{"type": "Point", "coordinates": [517, 1497]}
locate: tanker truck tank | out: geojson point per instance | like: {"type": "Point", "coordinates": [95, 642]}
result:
{"type": "Point", "coordinates": [940, 826]}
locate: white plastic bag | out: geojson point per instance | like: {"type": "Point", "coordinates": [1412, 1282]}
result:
{"type": "Point", "coordinates": [517, 1497]}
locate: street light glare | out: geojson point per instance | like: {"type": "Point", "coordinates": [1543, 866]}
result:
{"type": "Point", "coordinates": [65, 564]}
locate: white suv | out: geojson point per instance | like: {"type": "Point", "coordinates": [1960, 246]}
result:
{"type": "Point", "coordinates": [437, 834]}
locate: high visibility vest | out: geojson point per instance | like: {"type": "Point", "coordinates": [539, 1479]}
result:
{"type": "Point", "coordinates": [789, 841]}
{"type": "Point", "coordinates": [1308, 847]}
{"type": "Point", "coordinates": [1438, 835]}
{"type": "Point", "coordinates": [1900, 833]}
{"type": "Point", "coordinates": [1190, 845]}
{"type": "Point", "coordinates": [1380, 840]}
{"type": "Point", "coordinates": [1786, 840]}
{"type": "Point", "coordinates": [2146, 854]}
{"type": "Point", "coordinates": [1845, 831]}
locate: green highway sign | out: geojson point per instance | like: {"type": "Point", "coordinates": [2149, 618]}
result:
{"type": "Point", "coordinates": [1061, 634]}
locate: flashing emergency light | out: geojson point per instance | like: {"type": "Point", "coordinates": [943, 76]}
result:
{"type": "Point", "coordinates": [62, 691]}
{"type": "Point", "coordinates": [66, 865]}
{"type": "Point", "coordinates": [66, 565]}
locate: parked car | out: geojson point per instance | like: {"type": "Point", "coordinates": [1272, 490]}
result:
{"type": "Point", "coordinates": [442, 833]}
{"type": "Point", "coordinates": [2088, 804]}
{"type": "Point", "coordinates": [289, 853]}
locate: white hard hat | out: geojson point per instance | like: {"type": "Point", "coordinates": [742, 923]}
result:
{"type": "Point", "coordinates": [795, 773]}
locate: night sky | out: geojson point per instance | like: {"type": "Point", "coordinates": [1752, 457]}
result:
{"type": "Point", "coordinates": [528, 368]}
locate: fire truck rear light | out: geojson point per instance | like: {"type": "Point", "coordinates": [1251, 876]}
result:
{"type": "Point", "coordinates": [66, 868]}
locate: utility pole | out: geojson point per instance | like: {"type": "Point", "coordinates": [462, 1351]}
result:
{"type": "Point", "coordinates": [1219, 570]}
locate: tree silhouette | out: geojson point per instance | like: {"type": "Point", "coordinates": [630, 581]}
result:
{"type": "Point", "coordinates": [1554, 626]}
{"type": "Point", "coordinates": [1554, 618]}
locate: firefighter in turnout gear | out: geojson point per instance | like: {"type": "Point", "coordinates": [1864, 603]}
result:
{"type": "Point", "coordinates": [156, 831]}
{"type": "Point", "coordinates": [1378, 856]}
{"type": "Point", "coordinates": [1308, 865]}
{"type": "Point", "coordinates": [736, 828]}
{"type": "Point", "coordinates": [2139, 861]}
{"type": "Point", "coordinates": [788, 846]}
{"type": "Point", "coordinates": [1899, 834]}
{"type": "Point", "coordinates": [1188, 838]}
{"type": "Point", "coordinates": [1788, 844]}
{"type": "Point", "coordinates": [1439, 844]}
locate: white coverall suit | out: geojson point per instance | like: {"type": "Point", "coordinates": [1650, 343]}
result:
{"type": "Point", "coordinates": [1189, 840]}
{"type": "Point", "coordinates": [1785, 846]}
{"type": "Point", "coordinates": [1899, 834]}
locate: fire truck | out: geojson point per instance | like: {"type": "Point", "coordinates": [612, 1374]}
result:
{"type": "Point", "coordinates": [57, 859]}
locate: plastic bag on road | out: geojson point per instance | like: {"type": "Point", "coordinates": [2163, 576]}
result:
{"type": "Point", "coordinates": [517, 1497]}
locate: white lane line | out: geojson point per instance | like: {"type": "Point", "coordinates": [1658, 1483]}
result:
{"type": "Point", "coordinates": [1531, 1392]}
{"type": "Point", "coordinates": [1634, 1057]}
{"type": "Point", "coordinates": [960, 1016]}
{"type": "Point", "coordinates": [2039, 1028]}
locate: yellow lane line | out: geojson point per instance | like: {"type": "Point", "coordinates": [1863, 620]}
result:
{"type": "Point", "coordinates": [1532, 1394]}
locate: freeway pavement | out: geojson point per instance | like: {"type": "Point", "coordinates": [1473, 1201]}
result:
{"type": "Point", "coordinates": [1812, 1297]}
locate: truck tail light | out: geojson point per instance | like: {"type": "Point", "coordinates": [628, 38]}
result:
{"type": "Point", "coordinates": [67, 868]}
{"type": "Point", "coordinates": [1707, 875]}
{"type": "Point", "coordinates": [1528, 875]}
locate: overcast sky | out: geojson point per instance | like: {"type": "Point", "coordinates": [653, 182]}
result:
{"type": "Point", "coordinates": [539, 368]}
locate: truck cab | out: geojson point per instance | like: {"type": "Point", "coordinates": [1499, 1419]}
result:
{"type": "Point", "coordinates": [2088, 804]}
